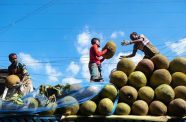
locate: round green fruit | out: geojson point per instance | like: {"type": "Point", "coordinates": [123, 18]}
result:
{"type": "Point", "coordinates": [88, 108]}
{"type": "Point", "coordinates": [105, 106]}
{"type": "Point", "coordinates": [110, 53]}
{"type": "Point", "coordinates": [71, 106]}
{"type": "Point", "coordinates": [178, 65]}
{"type": "Point", "coordinates": [118, 78]}
{"type": "Point", "coordinates": [140, 107]}
{"type": "Point", "coordinates": [109, 91]}
{"type": "Point", "coordinates": [122, 109]}
{"type": "Point", "coordinates": [160, 76]}
{"type": "Point", "coordinates": [128, 94]}
{"type": "Point", "coordinates": [164, 93]}
{"type": "Point", "coordinates": [146, 66]}
{"type": "Point", "coordinates": [160, 62]}
{"type": "Point", "coordinates": [178, 79]}
{"type": "Point", "coordinates": [146, 93]}
{"type": "Point", "coordinates": [180, 92]}
{"type": "Point", "coordinates": [158, 108]}
{"type": "Point", "coordinates": [177, 107]}
{"type": "Point", "coordinates": [126, 65]}
{"type": "Point", "coordinates": [137, 79]}
{"type": "Point", "coordinates": [11, 81]}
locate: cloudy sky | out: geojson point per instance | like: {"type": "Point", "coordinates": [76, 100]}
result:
{"type": "Point", "coordinates": [52, 37]}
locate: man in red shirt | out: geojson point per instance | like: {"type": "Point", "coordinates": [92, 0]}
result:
{"type": "Point", "coordinates": [96, 60]}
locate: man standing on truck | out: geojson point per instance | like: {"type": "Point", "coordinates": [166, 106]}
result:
{"type": "Point", "coordinates": [142, 43]}
{"type": "Point", "coordinates": [16, 68]}
{"type": "Point", "coordinates": [96, 60]}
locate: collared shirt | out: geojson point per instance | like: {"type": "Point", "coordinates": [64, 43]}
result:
{"type": "Point", "coordinates": [144, 42]}
{"type": "Point", "coordinates": [19, 70]}
{"type": "Point", "coordinates": [145, 46]}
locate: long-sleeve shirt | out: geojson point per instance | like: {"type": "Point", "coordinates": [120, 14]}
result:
{"type": "Point", "coordinates": [95, 54]}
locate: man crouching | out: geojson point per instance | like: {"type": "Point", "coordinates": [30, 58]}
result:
{"type": "Point", "coordinates": [16, 68]}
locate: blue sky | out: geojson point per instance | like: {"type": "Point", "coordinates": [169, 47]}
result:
{"type": "Point", "coordinates": [53, 36]}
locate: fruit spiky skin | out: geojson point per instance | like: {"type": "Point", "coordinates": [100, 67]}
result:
{"type": "Point", "coordinates": [178, 79]}
{"type": "Point", "coordinates": [88, 108]}
{"type": "Point", "coordinates": [160, 62]}
{"type": "Point", "coordinates": [137, 79]}
{"type": "Point", "coordinates": [118, 78]}
{"type": "Point", "coordinates": [122, 109]}
{"type": "Point", "coordinates": [158, 108]}
{"type": "Point", "coordinates": [110, 53]}
{"type": "Point", "coordinates": [180, 92]}
{"type": "Point", "coordinates": [160, 76]}
{"type": "Point", "coordinates": [109, 91]}
{"type": "Point", "coordinates": [177, 107]}
{"type": "Point", "coordinates": [164, 93]}
{"type": "Point", "coordinates": [11, 81]}
{"type": "Point", "coordinates": [105, 106]}
{"type": "Point", "coordinates": [178, 65]}
{"type": "Point", "coordinates": [146, 66]}
{"type": "Point", "coordinates": [71, 106]}
{"type": "Point", "coordinates": [140, 107]}
{"type": "Point", "coordinates": [128, 94]}
{"type": "Point", "coordinates": [126, 65]}
{"type": "Point", "coordinates": [146, 93]}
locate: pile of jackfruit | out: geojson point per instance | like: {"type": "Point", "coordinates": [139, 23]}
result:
{"type": "Point", "coordinates": [154, 87]}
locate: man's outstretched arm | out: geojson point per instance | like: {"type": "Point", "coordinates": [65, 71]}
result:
{"type": "Point", "coordinates": [132, 54]}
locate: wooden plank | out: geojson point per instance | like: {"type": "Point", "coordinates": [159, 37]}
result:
{"type": "Point", "coordinates": [120, 117]}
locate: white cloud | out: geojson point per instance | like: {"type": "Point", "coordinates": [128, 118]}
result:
{"type": "Point", "coordinates": [34, 64]}
{"type": "Point", "coordinates": [73, 68]}
{"type": "Point", "coordinates": [83, 39]}
{"type": "Point", "coordinates": [84, 60]}
{"type": "Point", "coordinates": [177, 47]}
{"type": "Point", "coordinates": [52, 73]}
{"type": "Point", "coordinates": [83, 42]}
{"type": "Point", "coordinates": [83, 50]}
{"type": "Point", "coordinates": [117, 34]}
{"type": "Point", "coordinates": [29, 61]}
{"type": "Point", "coordinates": [71, 80]}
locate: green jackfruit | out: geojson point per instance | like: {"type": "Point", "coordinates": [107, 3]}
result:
{"type": "Point", "coordinates": [160, 62]}
{"type": "Point", "coordinates": [105, 106]}
{"type": "Point", "coordinates": [110, 53]}
{"type": "Point", "coordinates": [158, 108]}
{"type": "Point", "coordinates": [128, 94]}
{"type": "Point", "coordinates": [137, 79]}
{"type": "Point", "coordinates": [178, 79]}
{"type": "Point", "coordinates": [88, 108]}
{"type": "Point", "coordinates": [178, 65]}
{"type": "Point", "coordinates": [164, 93]}
{"type": "Point", "coordinates": [122, 109]}
{"type": "Point", "coordinates": [160, 76]}
{"type": "Point", "coordinates": [146, 93]}
{"type": "Point", "coordinates": [109, 91]}
{"type": "Point", "coordinates": [140, 107]}
{"type": "Point", "coordinates": [126, 65]}
{"type": "Point", "coordinates": [118, 78]}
